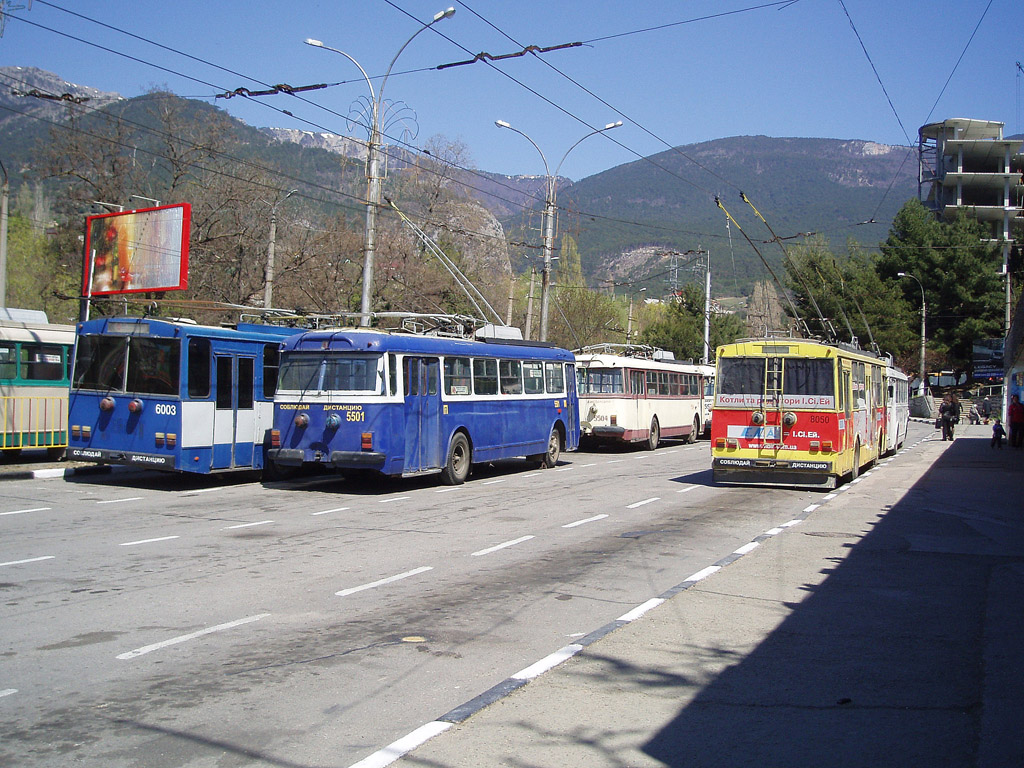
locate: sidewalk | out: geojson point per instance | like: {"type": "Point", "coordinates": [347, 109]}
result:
{"type": "Point", "coordinates": [883, 629]}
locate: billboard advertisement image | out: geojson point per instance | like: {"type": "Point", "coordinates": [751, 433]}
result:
{"type": "Point", "coordinates": [133, 251]}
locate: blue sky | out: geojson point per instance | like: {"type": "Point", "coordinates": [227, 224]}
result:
{"type": "Point", "coordinates": [736, 67]}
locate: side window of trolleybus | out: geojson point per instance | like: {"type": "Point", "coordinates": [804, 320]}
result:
{"type": "Point", "coordinates": [199, 368]}
{"type": "Point", "coordinates": [555, 378]}
{"type": "Point", "coordinates": [458, 377]}
{"type": "Point", "coordinates": [533, 377]}
{"type": "Point", "coordinates": [8, 362]}
{"type": "Point", "coordinates": [41, 362]}
{"type": "Point", "coordinates": [271, 362]}
{"type": "Point", "coordinates": [511, 377]}
{"type": "Point", "coordinates": [485, 376]}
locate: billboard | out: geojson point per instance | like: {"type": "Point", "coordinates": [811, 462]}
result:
{"type": "Point", "coordinates": [140, 250]}
{"type": "Point", "coordinates": [987, 360]}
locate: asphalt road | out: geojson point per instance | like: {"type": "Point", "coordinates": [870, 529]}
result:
{"type": "Point", "coordinates": [162, 620]}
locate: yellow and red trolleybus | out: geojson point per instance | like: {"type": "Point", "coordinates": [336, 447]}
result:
{"type": "Point", "coordinates": [796, 412]}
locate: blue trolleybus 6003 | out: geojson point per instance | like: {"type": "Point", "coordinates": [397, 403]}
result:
{"type": "Point", "coordinates": [404, 404]}
{"type": "Point", "coordinates": [173, 395]}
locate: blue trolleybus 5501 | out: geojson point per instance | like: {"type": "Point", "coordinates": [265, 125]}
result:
{"type": "Point", "coordinates": [405, 404]}
{"type": "Point", "coordinates": [173, 395]}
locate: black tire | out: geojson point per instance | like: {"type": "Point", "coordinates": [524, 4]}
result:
{"type": "Point", "coordinates": [696, 429]}
{"type": "Point", "coordinates": [855, 472]}
{"type": "Point", "coordinates": [550, 458]}
{"type": "Point", "coordinates": [456, 468]}
{"type": "Point", "coordinates": [654, 437]}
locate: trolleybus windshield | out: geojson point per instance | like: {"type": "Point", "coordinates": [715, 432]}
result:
{"type": "Point", "coordinates": [813, 378]}
{"type": "Point", "coordinates": [142, 365]}
{"type": "Point", "coordinates": [360, 374]}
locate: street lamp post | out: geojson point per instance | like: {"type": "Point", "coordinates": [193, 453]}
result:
{"type": "Point", "coordinates": [549, 215]}
{"type": "Point", "coordinates": [268, 284]}
{"type": "Point", "coordinates": [374, 180]}
{"type": "Point", "coordinates": [924, 311]}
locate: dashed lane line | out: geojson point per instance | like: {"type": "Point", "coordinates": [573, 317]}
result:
{"type": "Point", "coordinates": [382, 582]}
{"type": "Point", "coordinates": [190, 636]}
{"type": "Point", "coordinates": [503, 545]}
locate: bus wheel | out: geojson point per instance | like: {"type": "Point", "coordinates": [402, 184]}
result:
{"type": "Point", "coordinates": [855, 472]}
{"type": "Point", "coordinates": [655, 436]}
{"type": "Point", "coordinates": [696, 430]}
{"type": "Point", "coordinates": [456, 469]}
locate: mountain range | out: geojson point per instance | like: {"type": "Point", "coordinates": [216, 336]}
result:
{"type": "Point", "coordinates": [636, 224]}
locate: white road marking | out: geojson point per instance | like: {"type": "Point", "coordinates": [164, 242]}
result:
{"type": "Point", "coordinates": [30, 560]}
{"type": "Point", "coordinates": [328, 511]}
{"type": "Point", "coordinates": [499, 480]}
{"type": "Point", "coordinates": [118, 501]}
{"type": "Point", "coordinates": [381, 582]}
{"type": "Point", "coordinates": [24, 511]}
{"type": "Point", "coordinates": [641, 609]}
{"type": "Point", "coordinates": [7, 692]}
{"type": "Point", "coordinates": [704, 573]}
{"type": "Point", "coordinates": [584, 466]}
{"type": "Point", "coordinates": [246, 525]}
{"type": "Point", "coordinates": [830, 496]}
{"type": "Point", "coordinates": [528, 475]}
{"type": "Point", "coordinates": [747, 548]}
{"type": "Point", "coordinates": [190, 636]}
{"type": "Point", "coordinates": [398, 749]}
{"type": "Point", "coordinates": [548, 662]}
{"type": "Point", "coordinates": [503, 545]}
{"type": "Point", "coordinates": [615, 461]}
{"type": "Point", "coordinates": [148, 541]}
{"type": "Point", "coordinates": [448, 490]}
{"type": "Point", "coordinates": [586, 520]}
{"type": "Point", "coordinates": [394, 498]}
{"type": "Point", "coordinates": [564, 469]}
{"type": "Point", "coordinates": [201, 490]}
{"type": "Point", "coordinates": [791, 523]}
{"type": "Point", "coordinates": [636, 504]}
{"type": "Point", "coordinates": [773, 532]}
{"type": "Point", "coordinates": [687, 489]}
{"type": "Point", "coordinates": [811, 508]}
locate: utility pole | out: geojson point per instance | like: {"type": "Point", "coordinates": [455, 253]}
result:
{"type": "Point", "coordinates": [268, 284]}
{"type": "Point", "coordinates": [4, 194]}
{"type": "Point", "coordinates": [529, 303]}
{"type": "Point", "coordinates": [707, 310]}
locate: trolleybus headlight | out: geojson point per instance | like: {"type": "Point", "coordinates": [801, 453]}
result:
{"type": "Point", "coordinates": [135, 406]}
{"type": "Point", "coordinates": [789, 418]}
{"type": "Point", "coordinates": [757, 417]}
{"type": "Point", "coordinates": [107, 404]}
{"type": "Point", "coordinates": [333, 421]}
{"type": "Point", "coordinates": [302, 421]}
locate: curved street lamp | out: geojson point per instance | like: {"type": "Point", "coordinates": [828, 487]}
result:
{"type": "Point", "coordinates": [549, 214]}
{"type": "Point", "coordinates": [374, 180]}
{"type": "Point", "coordinates": [924, 310]}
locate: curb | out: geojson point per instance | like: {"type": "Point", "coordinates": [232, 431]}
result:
{"type": "Point", "coordinates": [35, 474]}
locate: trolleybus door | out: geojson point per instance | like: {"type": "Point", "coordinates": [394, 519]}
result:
{"type": "Point", "coordinates": [422, 414]}
{"type": "Point", "coordinates": [234, 419]}
{"type": "Point", "coordinates": [572, 405]}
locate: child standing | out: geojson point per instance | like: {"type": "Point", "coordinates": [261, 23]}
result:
{"type": "Point", "coordinates": [998, 433]}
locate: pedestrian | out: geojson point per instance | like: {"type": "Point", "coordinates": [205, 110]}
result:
{"type": "Point", "coordinates": [949, 415]}
{"type": "Point", "coordinates": [974, 415]}
{"type": "Point", "coordinates": [1016, 422]}
{"type": "Point", "coordinates": [986, 409]}
{"type": "Point", "coordinates": [998, 433]}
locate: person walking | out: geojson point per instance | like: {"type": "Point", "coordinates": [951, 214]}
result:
{"type": "Point", "coordinates": [986, 409]}
{"type": "Point", "coordinates": [1016, 422]}
{"type": "Point", "coordinates": [949, 415]}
